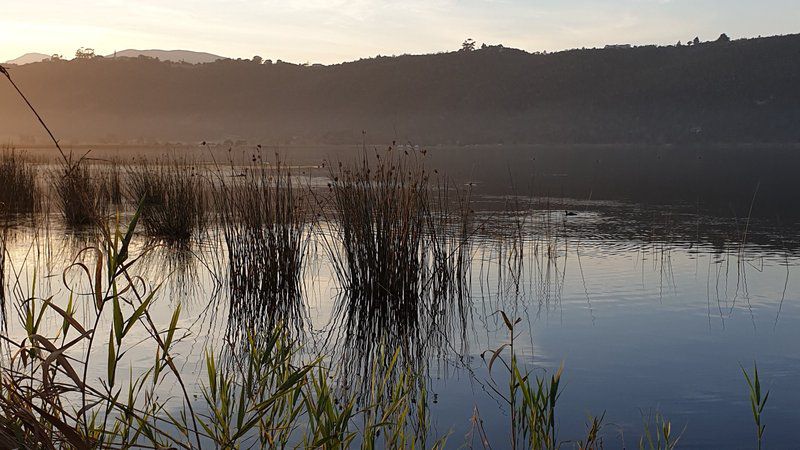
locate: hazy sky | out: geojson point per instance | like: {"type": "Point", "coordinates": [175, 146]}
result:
{"type": "Point", "coordinates": [330, 31]}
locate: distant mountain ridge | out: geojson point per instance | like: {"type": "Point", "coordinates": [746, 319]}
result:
{"type": "Point", "coordinates": [186, 56]}
{"type": "Point", "coordinates": [742, 91]}
{"type": "Point", "coordinates": [28, 58]}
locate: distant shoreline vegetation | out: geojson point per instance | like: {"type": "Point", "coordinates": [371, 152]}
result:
{"type": "Point", "coordinates": [722, 91]}
{"type": "Point", "coordinates": [34, 149]}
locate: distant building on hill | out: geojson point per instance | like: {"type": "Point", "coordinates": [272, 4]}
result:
{"type": "Point", "coordinates": [618, 46]}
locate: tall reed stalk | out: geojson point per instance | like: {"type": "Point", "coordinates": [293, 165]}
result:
{"type": "Point", "coordinates": [3, 322]}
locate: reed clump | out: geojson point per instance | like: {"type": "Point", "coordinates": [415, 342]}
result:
{"type": "Point", "coordinates": [18, 190]}
{"type": "Point", "coordinates": [113, 182]}
{"type": "Point", "coordinates": [173, 198]}
{"type": "Point", "coordinates": [399, 248]}
{"type": "Point", "coordinates": [380, 220]}
{"type": "Point", "coordinates": [266, 229]}
{"type": "Point", "coordinates": [79, 193]}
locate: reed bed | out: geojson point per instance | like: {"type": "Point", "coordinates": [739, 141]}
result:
{"type": "Point", "coordinates": [18, 190]}
{"type": "Point", "coordinates": [266, 229]}
{"type": "Point", "coordinates": [273, 393]}
{"type": "Point", "coordinates": [173, 198]}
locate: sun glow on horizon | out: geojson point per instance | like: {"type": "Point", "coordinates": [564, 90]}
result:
{"type": "Point", "coordinates": [337, 31]}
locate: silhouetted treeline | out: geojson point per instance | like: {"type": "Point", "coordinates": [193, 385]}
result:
{"type": "Point", "coordinates": [739, 91]}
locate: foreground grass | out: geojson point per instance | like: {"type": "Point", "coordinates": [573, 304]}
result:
{"type": "Point", "coordinates": [267, 396]}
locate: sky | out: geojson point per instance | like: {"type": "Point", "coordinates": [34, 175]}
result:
{"type": "Point", "coordinates": [331, 31]}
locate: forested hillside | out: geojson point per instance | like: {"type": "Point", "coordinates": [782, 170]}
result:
{"type": "Point", "coordinates": [721, 91]}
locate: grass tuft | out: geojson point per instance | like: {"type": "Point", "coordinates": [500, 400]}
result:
{"type": "Point", "coordinates": [18, 190]}
{"type": "Point", "coordinates": [399, 250]}
{"type": "Point", "coordinates": [79, 194]}
{"type": "Point", "coordinates": [173, 198]}
{"type": "Point", "coordinates": [266, 224]}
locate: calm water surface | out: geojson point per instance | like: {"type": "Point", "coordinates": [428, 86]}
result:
{"type": "Point", "coordinates": [648, 307]}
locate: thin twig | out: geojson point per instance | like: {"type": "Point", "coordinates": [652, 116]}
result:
{"type": "Point", "coordinates": [5, 72]}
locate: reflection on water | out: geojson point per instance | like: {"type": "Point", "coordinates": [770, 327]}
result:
{"type": "Point", "coordinates": [646, 307]}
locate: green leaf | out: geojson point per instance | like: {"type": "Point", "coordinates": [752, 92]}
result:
{"type": "Point", "coordinates": [123, 252]}
{"type": "Point", "coordinates": [118, 327]}
{"type": "Point", "coordinates": [507, 321]}
{"type": "Point", "coordinates": [138, 313]}
{"type": "Point", "coordinates": [112, 361]}
{"type": "Point", "coordinates": [172, 327]}
{"type": "Point", "coordinates": [495, 355]}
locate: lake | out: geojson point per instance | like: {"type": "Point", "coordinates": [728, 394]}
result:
{"type": "Point", "coordinates": [654, 275]}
